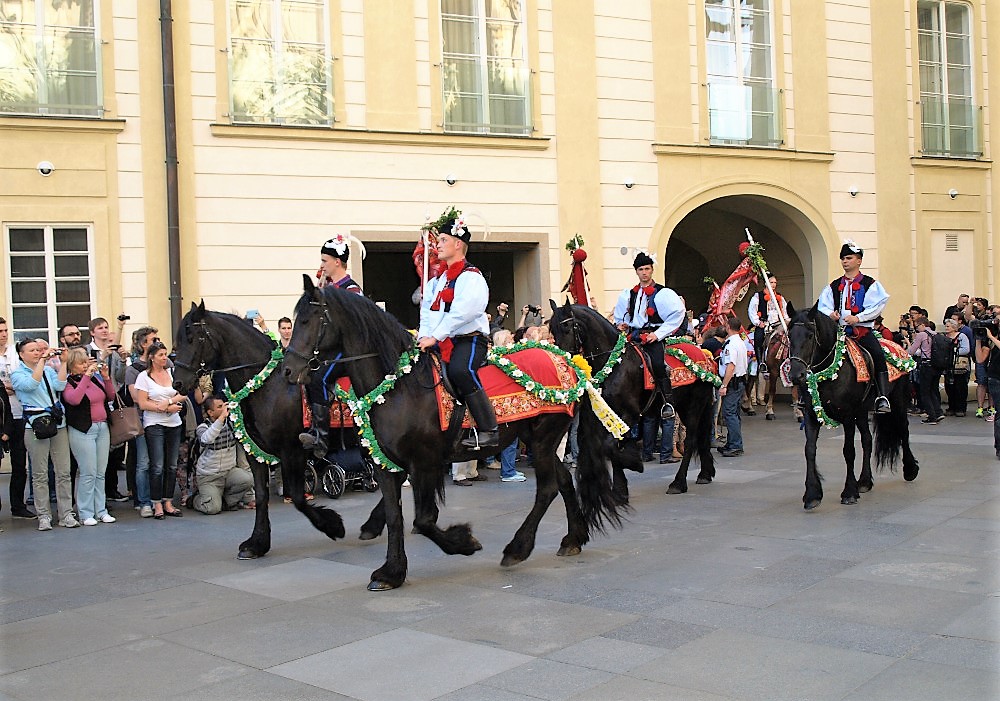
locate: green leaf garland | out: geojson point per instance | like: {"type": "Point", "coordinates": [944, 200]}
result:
{"type": "Point", "coordinates": [236, 411]}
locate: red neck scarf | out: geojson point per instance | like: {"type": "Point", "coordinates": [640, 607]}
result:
{"type": "Point", "coordinates": [447, 293]}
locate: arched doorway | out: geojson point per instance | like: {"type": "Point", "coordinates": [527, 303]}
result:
{"type": "Point", "coordinates": [704, 242]}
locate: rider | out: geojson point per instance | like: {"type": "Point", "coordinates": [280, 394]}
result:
{"type": "Point", "coordinates": [650, 312]}
{"type": "Point", "coordinates": [453, 317]}
{"type": "Point", "coordinates": [333, 271]}
{"type": "Point", "coordinates": [855, 300]}
{"type": "Point", "coordinates": [762, 300]}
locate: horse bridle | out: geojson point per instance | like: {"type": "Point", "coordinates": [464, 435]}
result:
{"type": "Point", "coordinates": [313, 361]}
{"type": "Point", "coordinates": [202, 369]}
{"type": "Point", "coordinates": [578, 339]}
{"type": "Point", "coordinates": [810, 364]}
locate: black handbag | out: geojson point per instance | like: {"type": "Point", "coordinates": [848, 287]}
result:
{"type": "Point", "coordinates": [46, 424]}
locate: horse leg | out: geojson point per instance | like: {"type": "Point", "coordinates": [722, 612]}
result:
{"type": "Point", "coordinates": [772, 387]}
{"type": "Point", "coordinates": [748, 398]}
{"type": "Point", "coordinates": [326, 521]}
{"type": "Point", "coordinates": [619, 484]}
{"type": "Point", "coordinates": [796, 406]}
{"type": "Point", "coordinates": [456, 539]}
{"type": "Point", "coordinates": [814, 486]}
{"type": "Point", "coordinates": [372, 528]}
{"type": "Point", "coordinates": [850, 494]}
{"type": "Point", "coordinates": [259, 541]}
{"type": "Point", "coordinates": [577, 533]}
{"type": "Point", "coordinates": [679, 485]}
{"type": "Point", "coordinates": [392, 573]}
{"type": "Point", "coordinates": [865, 482]}
{"type": "Point", "coordinates": [701, 428]}
{"type": "Point", "coordinates": [546, 488]}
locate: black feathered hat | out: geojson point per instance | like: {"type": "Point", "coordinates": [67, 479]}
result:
{"type": "Point", "coordinates": [851, 249]}
{"type": "Point", "coordinates": [642, 259]}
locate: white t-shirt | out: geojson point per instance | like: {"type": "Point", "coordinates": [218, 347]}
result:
{"type": "Point", "coordinates": [9, 362]}
{"type": "Point", "coordinates": [156, 393]}
{"type": "Point", "coordinates": [734, 353]}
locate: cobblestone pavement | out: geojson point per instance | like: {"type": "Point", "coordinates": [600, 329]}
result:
{"type": "Point", "coordinates": [731, 591]}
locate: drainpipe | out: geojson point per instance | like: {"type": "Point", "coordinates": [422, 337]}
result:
{"type": "Point", "coordinates": [170, 142]}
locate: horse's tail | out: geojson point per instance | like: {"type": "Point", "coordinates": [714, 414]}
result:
{"type": "Point", "coordinates": [892, 430]}
{"type": "Point", "coordinates": [593, 483]}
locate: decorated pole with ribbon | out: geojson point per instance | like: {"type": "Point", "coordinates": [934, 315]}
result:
{"type": "Point", "coordinates": [767, 283]}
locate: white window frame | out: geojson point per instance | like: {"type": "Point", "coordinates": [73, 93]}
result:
{"type": "Point", "coordinates": [486, 125]}
{"type": "Point", "coordinates": [278, 42]}
{"type": "Point", "coordinates": [943, 69]}
{"type": "Point", "coordinates": [740, 85]}
{"type": "Point", "coordinates": [42, 107]}
{"type": "Point", "coordinates": [50, 279]}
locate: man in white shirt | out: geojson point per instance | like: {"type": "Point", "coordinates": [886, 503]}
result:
{"type": "Point", "coordinates": [765, 312]}
{"type": "Point", "coordinates": [733, 369]}
{"type": "Point", "coordinates": [10, 361]}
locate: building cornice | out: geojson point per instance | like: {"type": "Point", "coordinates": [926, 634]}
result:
{"type": "Point", "coordinates": [390, 138]}
{"type": "Point", "coordinates": [959, 163]}
{"type": "Point", "coordinates": [67, 124]}
{"type": "Point", "coordinates": [662, 149]}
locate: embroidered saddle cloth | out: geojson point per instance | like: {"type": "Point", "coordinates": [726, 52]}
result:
{"type": "Point", "coordinates": [680, 374]}
{"type": "Point", "coordinates": [511, 402]}
{"type": "Point", "coordinates": [340, 413]}
{"type": "Point", "coordinates": [857, 357]}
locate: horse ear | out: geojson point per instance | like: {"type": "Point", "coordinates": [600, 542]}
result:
{"type": "Point", "coordinates": [552, 303]}
{"type": "Point", "coordinates": [307, 284]}
{"type": "Point", "coordinates": [201, 304]}
{"type": "Point", "coordinates": [198, 310]}
{"type": "Point", "coordinates": [813, 311]}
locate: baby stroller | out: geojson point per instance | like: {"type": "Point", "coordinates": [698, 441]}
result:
{"type": "Point", "coordinates": [345, 465]}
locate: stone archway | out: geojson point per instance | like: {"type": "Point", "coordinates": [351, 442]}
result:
{"type": "Point", "coordinates": [701, 238]}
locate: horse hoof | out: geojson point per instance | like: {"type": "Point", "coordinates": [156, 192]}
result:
{"type": "Point", "coordinates": [511, 560]}
{"type": "Point", "coordinates": [367, 536]}
{"type": "Point", "coordinates": [569, 551]}
{"type": "Point", "coordinates": [476, 546]}
{"type": "Point", "coordinates": [376, 585]}
{"type": "Point", "coordinates": [702, 480]}
{"type": "Point", "coordinates": [674, 489]}
{"type": "Point", "coordinates": [769, 417]}
{"type": "Point", "coordinates": [751, 412]}
{"type": "Point", "coordinates": [849, 501]}
{"type": "Point", "coordinates": [864, 488]}
{"type": "Point", "coordinates": [246, 555]}
{"type": "Point", "coordinates": [810, 505]}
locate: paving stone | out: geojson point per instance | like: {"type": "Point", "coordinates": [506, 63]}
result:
{"type": "Point", "coordinates": [292, 581]}
{"type": "Point", "coordinates": [617, 656]}
{"type": "Point", "coordinates": [917, 680]}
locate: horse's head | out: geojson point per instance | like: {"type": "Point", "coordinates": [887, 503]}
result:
{"type": "Point", "coordinates": [311, 335]}
{"type": "Point", "coordinates": [194, 347]}
{"type": "Point", "coordinates": [803, 344]}
{"type": "Point", "coordinates": [566, 328]}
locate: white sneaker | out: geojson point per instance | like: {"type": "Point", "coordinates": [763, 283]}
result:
{"type": "Point", "coordinates": [146, 511]}
{"type": "Point", "coordinates": [516, 477]}
{"type": "Point", "coordinates": [90, 521]}
{"type": "Point", "coordinates": [45, 523]}
{"type": "Point", "coordinates": [108, 518]}
{"type": "Point", "coordinates": [69, 521]}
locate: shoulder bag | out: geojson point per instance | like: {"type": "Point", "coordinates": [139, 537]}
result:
{"type": "Point", "coordinates": [124, 422]}
{"type": "Point", "coordinates": [45, 424]}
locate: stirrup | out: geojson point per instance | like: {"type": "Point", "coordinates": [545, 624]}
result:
{"type": "Point", "coordinates": [472, 442]}
{"type": "Point", "coordinates": [885, 410]}
{"type": "Point", "coordinates": [667, 411]}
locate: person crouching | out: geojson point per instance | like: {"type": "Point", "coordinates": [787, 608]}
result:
{"type": "Point", "coordinates": [222, 482]}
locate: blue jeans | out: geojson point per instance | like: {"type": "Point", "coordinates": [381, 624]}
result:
{"type": "Point", "coordinates": [731, 415]}
{"type": "Point", "coordinates": [572, 444]}
{"type": "Point", "coordinates": [91, 452]}
{"type": "Point", "coordinates": [649, 426]}
{"type": "Point", "coordinates": [141, 472]}
{"type": "Point", "coordinates": [993, 384]}
{"type": "Point", "coordinates": [163, 444]}
{"type": "Point", "coordinates": [508, 456]}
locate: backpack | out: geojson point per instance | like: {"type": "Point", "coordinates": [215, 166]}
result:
{"type": "Point", "coordinates": [941, 352]}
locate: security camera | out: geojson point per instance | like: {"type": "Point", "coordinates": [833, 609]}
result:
{"type": "Point", "coordinates": [952, 193]}
{"type": "Point", "coordinates": [450, 179]}
{"type": "Point", "coordinates": [45, 168]}
{"type": "Point", "coordinates": [629, 184]}
{"type": "Point", "coordinates": [853, 191]}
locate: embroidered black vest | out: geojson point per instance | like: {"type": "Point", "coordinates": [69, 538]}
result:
{"type": "Point", "coordinates": [653, 319]}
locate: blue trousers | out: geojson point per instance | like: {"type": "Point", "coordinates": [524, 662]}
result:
{"type": "Point", "coordinates": [731, 415]}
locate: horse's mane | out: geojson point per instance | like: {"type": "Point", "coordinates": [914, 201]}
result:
{"type": "Point", "coordinates": [592, 319]}
{"type": "Point", "coordinates": [250, 337]}
{"type": "Point", "coordinates": [369, 328]}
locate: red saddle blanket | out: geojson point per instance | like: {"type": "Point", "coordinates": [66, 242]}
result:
{"type": "Point", "coordinates": [340, 413]}
{"type": "Point", "coordinates": [511, 402]}
{"type": "Point", "coordinates": [680, 375]}
{"type": "Point", "coordinates": [857, 357]}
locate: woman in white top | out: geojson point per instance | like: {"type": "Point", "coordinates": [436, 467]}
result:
{"type": "Point", "coordinates": [161, 420]}
{"type": "Point", "coordinates": [956, 380]}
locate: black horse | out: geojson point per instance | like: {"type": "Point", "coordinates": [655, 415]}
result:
{"type": "Point", "coordinates": [581, 329]}
{"type": "Point", "coordinates": [813, 337]}
{"type": "Point", "coordinates": [211, 341]}
{"type": "Point", "coordinates": [369, 342]}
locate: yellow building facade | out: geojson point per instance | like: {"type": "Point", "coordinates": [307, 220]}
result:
{"type": "Point", "coordinates": [664, 125]}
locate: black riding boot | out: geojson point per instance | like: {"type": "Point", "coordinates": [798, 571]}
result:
{"type": "Point", "coordinates": [667, 412]}
{"type": "Point", "coordinates": [882, 400]}
{"type": "Point", "coordinates": [481, 408]}
{"type": "Point", "coordinates": [316, 437]}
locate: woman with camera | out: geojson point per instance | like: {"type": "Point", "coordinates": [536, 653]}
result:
{"type": "Point", "coordinates": [956, 380]}
{"type": "Point", "coordinates": [988, 353]}
{"type": "Point", "coordinates": [161, 407]}
{"type": "Point", "coordinates": [37, 386]}
{"type": "Point", "coordinates": [88, 391]}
